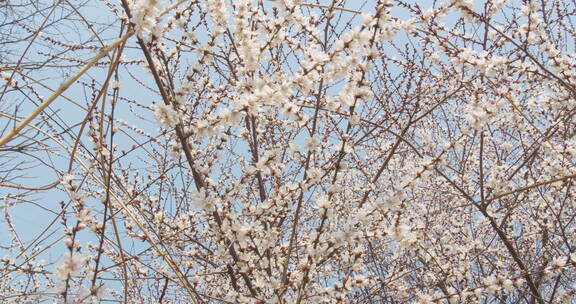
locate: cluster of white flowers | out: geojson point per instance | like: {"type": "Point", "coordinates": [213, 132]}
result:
{"type": "Point", "coordinates": [166, 116]}
{"type": "Point", "coordinates": [465, 7]}
{"type": "Point", "coordinates": [219, 11]}
{"type": "Point", "coordinates": [6, 77]}
{"type": "Point", "coordinates": [203, 200]}
{"type": "Point", "coordinates": [485, 63]}
{"type": "Point", "coordinates": [481, 113]}
{"type": "Point", "coordinates": [72, 265]}
{"type": "Point", "coordinates": [146, 18]}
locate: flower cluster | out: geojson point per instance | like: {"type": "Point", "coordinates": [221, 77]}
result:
{"type": "Point", "coordinates": [146, 18]}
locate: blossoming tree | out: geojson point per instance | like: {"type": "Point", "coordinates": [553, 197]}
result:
{"type": "Point", "coordinates": [382, 151]}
